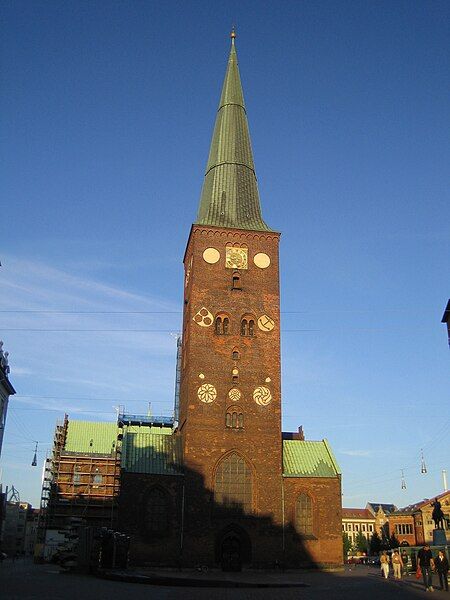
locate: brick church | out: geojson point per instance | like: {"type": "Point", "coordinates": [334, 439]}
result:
{"type": "Point", "coordinates": [227, 487]}
{"type": "Point", "coordinates": [222, 485]}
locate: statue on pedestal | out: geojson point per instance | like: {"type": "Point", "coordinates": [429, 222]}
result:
{"type": "Point", "coordinates": [437, 515]}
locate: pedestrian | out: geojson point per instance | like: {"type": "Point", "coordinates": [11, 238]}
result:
{"type": "Point", "coordinates": [384, 563]}
{"type": "Point", "coordinates": [405, 561]}
{"type": "Point", "coordinates": [426, 563]}
{"type": "Point", "coordinates": [397, 565]}
{"type": "Point", "coordinates": [441, 566]}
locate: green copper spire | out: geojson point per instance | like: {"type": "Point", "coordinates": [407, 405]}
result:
{"type": "Point", "coordinates": [230, 195]}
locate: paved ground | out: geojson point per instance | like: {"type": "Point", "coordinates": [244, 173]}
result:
{"type": "Point", "coordinates": [24, 581]}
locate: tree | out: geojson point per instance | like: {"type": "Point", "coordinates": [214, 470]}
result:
{"type": "Point", "coordinates": [361, 542]}
{"type": "Point", "coordinates": [393, 542]}
{"type": "Point", "coordinates": [347, 544]}
{"type": "Point", "coordinates": [375, 543]}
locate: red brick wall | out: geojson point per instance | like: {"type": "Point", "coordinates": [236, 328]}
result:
{"type": "Point", "coordinates": [205, 437]}
{"type": "Point", "coordinates": [325, 546]}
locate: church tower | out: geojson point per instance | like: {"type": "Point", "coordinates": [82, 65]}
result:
{"type": "Point", "coordinates": [230, 393]}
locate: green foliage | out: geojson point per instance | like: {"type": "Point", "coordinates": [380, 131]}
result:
{"type": "Point", "coordinates": [375, 543]}
{"type": "Point", "coordinates": [393, 542]}
{"type": "Point", "coordinates": [361, 542]}
{"type": "Point", "coordinates": [347, 545]}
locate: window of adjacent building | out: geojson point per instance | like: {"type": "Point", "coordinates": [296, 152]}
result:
{"type": "Point", "coordinates": [356, 527]}
{"type": "Point", "coordinates": [233, 483]}
{"type": "Point", "coordinates": [157, 512]}
{"type": "Point", "coordinates": [304, 515]}
{"type": "Point", "coordinates": [370, 527]}
{"type": "Point", "coordinates": [363, 527]}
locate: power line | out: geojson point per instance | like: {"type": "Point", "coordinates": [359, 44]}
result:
{"type": "Point", "coordinates": [90, 398]}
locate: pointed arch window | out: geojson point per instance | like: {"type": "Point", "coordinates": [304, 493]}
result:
{"type": "Point", "coordinates": [304, 515]}
{"type": "Point", "coordinates": [156, 512]}
{"type": "Point", "coordinates": [233, 483]}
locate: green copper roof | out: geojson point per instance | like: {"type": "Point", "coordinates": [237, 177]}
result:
{"type": "Point", "coordinates": [230, 196]}
{"type": "Point", "coordinates": [89, 437]}
{"type": "Point", "coordinates": [155, 453]}
{"type": "Point", "coordinates": [308, 459]}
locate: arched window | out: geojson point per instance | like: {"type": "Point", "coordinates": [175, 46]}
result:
{"type": "Point", "coordinates": [244, 327]}
{"type": "Point", "coordinates": [233, 483]}
{"type": "Point", "coordinates": [236, 281]}
{"type": "Point", "coordinates": [225, 326]}
{"type": "Point", "coordinates": [235, 355]}
{"type": "Point", "coordinates": [157, 512]}
{"type": "Point", "coordinates": [235, 418]}
{"type": "Point", "coordinates": [218, 325]}
{"type": "Point", "coordinates": [235, 375]}
{"type": "Point", "coordinates": [248, 326]}
{"type": "Point", "coordinates": [222, 325]}
{"type": "Point", "coordinates": [251, 327]}
{"type": "Point", "coordinates": [304, 515]}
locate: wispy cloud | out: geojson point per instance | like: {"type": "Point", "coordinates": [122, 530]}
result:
{"type": "Point", "coordinates": [359, 453]}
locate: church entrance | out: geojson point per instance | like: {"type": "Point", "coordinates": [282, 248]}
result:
{"type": "Point", "coordinates": [233, 548]}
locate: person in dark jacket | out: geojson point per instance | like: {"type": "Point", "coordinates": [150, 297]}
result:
{"type": "Point", "coordinates": [441, 566]}
{"type": "Point", "coordinates": [426, 563]}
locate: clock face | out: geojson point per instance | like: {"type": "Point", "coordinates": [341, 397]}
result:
{"type": "Point", "coordinates": [236, 258]}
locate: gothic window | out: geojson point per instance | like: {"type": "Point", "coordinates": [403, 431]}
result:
{"type": "Point", "coordinates": [304, 515]}
{"type": "Point", "coordinates": [235, 355]}
{"type": "Point", "coordinates": [156, 512]}
{"type": "Point", "coordinates": [233, 483]}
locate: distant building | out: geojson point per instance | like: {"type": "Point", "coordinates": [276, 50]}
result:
{"type": "Point", "coordinates": [6, 390]}
{"type": "Point", "coordinates": [381, 512]}
{"type": "Point", "coordinates": [419, 517]}
{"type": "Point", "coordinates": [446, 319]}
{"type": "Point", "coordinates": [358, 520]}
{"type": "Point", "coordinates": [15, 528]}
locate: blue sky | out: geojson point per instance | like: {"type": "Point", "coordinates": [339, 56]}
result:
{"type": "Point", "coordinates": [108, 110]}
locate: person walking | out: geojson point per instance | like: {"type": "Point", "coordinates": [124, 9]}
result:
{"type": "Point", "coordinates": [397, 564]}
{"type": "Point", "coordinates": [426, 563]}
{"type": "Point", "coordinates": [441, 566]}
{"type": "Point", "coordinates": [384, 563]}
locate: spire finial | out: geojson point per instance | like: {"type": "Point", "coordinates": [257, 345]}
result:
{"type": "Point", "coordinates": [233, 35]}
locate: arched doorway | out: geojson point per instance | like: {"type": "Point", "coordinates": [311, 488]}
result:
{"type": "Point", "coordinates": [233, 548]}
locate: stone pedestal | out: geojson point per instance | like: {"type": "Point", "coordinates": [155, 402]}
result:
{"type": "Point", "coordinates": [439, 537]}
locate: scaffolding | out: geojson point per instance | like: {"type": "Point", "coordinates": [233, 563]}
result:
{"type": "Point", "coordinates": [78, 488]}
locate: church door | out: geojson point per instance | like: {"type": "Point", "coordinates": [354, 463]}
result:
{"type": "Point", "coordinates": [231, 554]}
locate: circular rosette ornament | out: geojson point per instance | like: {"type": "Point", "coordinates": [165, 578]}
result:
{"type": "Point", "coordinates": [207, 393]}
{"type": "Point", "coordinates": [262, 396]}
{"type": "Point", "coordinates": [234, 395]}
